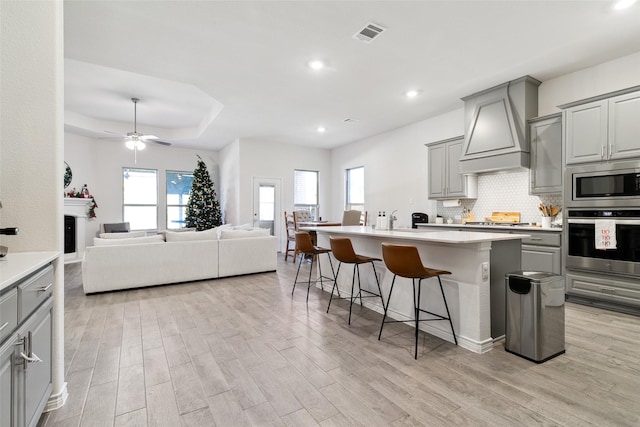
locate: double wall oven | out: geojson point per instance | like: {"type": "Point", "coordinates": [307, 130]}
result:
{"type": "Point", "coordinates": [603, 198]}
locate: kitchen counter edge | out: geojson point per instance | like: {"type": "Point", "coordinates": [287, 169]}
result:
{"type": "Point", "coordinates": [492, 227]}
{"type": "Point", "coordinates": [16, 266]}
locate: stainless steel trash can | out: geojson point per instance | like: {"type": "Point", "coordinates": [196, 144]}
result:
{"type": "Point", "coordinates": [534, 315]}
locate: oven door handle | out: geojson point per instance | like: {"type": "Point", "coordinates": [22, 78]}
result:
{"type": "Point", "coordinates": [593, 221]}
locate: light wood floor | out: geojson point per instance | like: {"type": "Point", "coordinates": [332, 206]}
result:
{"type": "Point", "coordinates": [242, 351]}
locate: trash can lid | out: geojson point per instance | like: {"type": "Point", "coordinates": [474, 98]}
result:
{"type": "Point", "coordinates": [533, 275]}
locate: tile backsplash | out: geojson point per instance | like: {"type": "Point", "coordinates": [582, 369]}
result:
{"type": "Point", "coordinates": [502, 192]}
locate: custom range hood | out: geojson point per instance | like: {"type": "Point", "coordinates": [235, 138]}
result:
{"type": "Point", "coordinates": [496, 126]}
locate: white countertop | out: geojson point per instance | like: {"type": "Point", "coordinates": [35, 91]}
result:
{"type": "Point", "coordinates": [455, 237]}
{"type": "Point", "coordinates": [494, 227]}
{"type": "Point", "coordinates": [15, 266]}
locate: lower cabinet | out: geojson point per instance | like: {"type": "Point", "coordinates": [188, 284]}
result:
{"type": "Point", "coordinates": [604, 290]}
{"type": "Point", "coordinates": [26, 353]}
{"type": "Point", "coordinates": [541, 258]}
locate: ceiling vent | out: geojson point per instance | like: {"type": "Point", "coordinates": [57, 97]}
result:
{"type": "Point", "coordinates": [369, 32]}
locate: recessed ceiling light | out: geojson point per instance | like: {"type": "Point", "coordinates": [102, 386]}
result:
{"type": "Point", "coordinates": [321, 129]}
{"type": "Point", "coordinates": [411, 93]}
{"type": "Point", "coordinates": [623, 4]}
{"type": "Point", "coordinates": [316, 64]}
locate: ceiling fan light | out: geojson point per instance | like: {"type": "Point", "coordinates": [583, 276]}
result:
{"type": "Point", "coordinates": [140, 145]}
{"type": "Point", "coordinates": [130, 144]}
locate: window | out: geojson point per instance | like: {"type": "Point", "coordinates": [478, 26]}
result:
{"type": "Point", "coordinates": [305, 192]}
{"type": "Point", "coordinates": [140, 198]}
{"type": "Point", "coordinates": [178, 188]}
{"type": "Point", "coordinates": [355, 189]}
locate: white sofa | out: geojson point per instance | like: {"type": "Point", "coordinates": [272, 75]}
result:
{"type": "Point", "coordinates": [124, 263]}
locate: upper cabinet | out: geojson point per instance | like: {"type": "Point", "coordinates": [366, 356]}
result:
{"type": "Point", "coordinates": [546, 154]}
{"type": "Point", "coordinates": [602, 129]}
{"type": "Point", "coordinates": [445, 179]}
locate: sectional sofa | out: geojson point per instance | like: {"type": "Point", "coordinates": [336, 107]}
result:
{"type": "Point", "coordinates": [133, 260]}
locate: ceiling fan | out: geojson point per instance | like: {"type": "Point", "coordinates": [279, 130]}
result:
{"type": "Point", "coordinates": [136, 140]}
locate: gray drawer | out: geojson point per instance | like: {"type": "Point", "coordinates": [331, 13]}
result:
{"type": "Point", "coordinates": [8, 313]}
{"type": "Point", "coordinates": [34, 291]}
{"type": "Point", "coordinates": [541, 239]}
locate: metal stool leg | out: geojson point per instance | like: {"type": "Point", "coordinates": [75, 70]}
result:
{"type": "Point", "coordinates": [333, 273]}
{"type": "Point", "coordinates": [447, 308]}
{"type": "Point", "coordinates": [353, 281]}
{"type": "Point", "coordinates": [313, 257]}
{"type": "Point", "coordinates": [415, 356]}
{"type": "Point", "coordinates": [386, 307]}
{"type": "Point", "coordinates": [359, 284]}
{"type": "Point", "coordinates": [297, 273]}
{"type": "Point", "coordinates": [378, 282]}
{"type": "Point", "coordinates": [335, 285]}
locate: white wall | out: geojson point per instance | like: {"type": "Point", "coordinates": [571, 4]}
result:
{"type": "Point", "coordinates": [395, 167]}
{"type": "Point", "coordinates": [99, 163]}
{"type": "Point", "coordinates": [270, 160]}
{"type": "Point", "coordinates": [607, 77]}
{"type": "Point", "coordinates": [229, 182]}
{"type": "Point", "coordinates": [31, 126]}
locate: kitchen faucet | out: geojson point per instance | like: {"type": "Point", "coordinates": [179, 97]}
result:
{"type": "Point", "coordinates": [392, 218]}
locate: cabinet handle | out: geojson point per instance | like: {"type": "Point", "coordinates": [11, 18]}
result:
{"type": "Point", "coordinates": [46, 288]}
{"type": "Point", "coordinates": [535, 238]}
{"type": "Point", "coordinates": [607, 291]}
{"type": "Point", "coordinates": [4, 326]}
{"type": "Point", "coordinates": [602, 151]}
{"type": "Point", "coordinates": [610, 150]}
{"type": "Point", "coordinates": [33, 359]}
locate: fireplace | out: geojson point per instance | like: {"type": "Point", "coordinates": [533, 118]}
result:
{"type": "Point", "coordinates": [75, 209]}
{"type": "Point", "coordinates": [69, 234]}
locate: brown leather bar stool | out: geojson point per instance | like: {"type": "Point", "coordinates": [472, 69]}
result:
{"type": "Point", "coordinates": [404, 261]}
{"type": "Point", "coordinates": [343, 252]}
{"type": "Point", "coordinates": [305, 247]}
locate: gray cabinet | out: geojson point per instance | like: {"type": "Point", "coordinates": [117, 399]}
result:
{"type": "Point", "coordinates": [545, 173]}
{"type": "Point", "coordinates": [603, 129]}
{"type": "Point", "coordinates": [26, 351]}
{"type": "Point", "coordinates": [445, 179]}
{"type": "Point", "coordinates": [542, 251]}
{"type": "Point", "coordinates": [603, 290]}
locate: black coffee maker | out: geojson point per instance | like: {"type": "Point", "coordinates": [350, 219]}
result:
{"type": "Point", "coordinates": [417, 218]}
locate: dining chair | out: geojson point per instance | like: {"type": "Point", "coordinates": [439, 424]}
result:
{"type": "Point", "coordinates": [404, 261]}
{"type": "Point", "coordinates": [363, 218]}
{"type": "Point", "coordinates": [290, 226]}
{"type": "Point", "coordinates": [351, 217]}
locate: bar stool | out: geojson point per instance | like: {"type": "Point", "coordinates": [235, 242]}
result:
{"type": "Point", "coordinates": [343, 252]}
{"type": "Point", "coordinates": [404, 261]}
{"type": "Point", "coordinates": [305, 247]}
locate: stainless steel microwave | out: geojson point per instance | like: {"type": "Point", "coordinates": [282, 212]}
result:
{"type": "Point", "coordinates": [605, 185]}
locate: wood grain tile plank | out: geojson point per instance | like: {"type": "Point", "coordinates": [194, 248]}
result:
{"type": "Point", "coordinates": [131, 389]}
{"type": "Point", "coordinates": [162, 409]}
{"type": "Point", "coordinates": [226, 411]}
{"type": "Point", "coordinates": [186, 386]}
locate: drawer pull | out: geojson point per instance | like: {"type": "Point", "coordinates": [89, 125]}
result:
{"type": "Point", "coordinates": [4, 326]}
{"type": "Point", "coordinates": [46, 288]}
{"type": "Point", "coordinates": [607, 291]}
{"type": "Point", "coordinates": [535, 238]}
{"type": "Point", "coordinates": [33, 359]}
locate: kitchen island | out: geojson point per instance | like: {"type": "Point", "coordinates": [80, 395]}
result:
{"type": "Point", "coordinates": [475, 290]}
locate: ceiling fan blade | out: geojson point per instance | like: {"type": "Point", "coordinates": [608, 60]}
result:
{"type": "Point", "coordinates": [112, 135]}
{"type": "Point", "coordinates": [157, 141]}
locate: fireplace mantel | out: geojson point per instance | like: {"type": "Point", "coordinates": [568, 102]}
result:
{"type": "Point", "coordinates": [77, 207]}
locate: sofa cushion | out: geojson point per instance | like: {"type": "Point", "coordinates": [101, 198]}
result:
{"type": "Point", "coordinates": [127, 235]}
{"type": "Point", "coordinates": [97, 241]}
{"type": "Point", "coordinates": [183, 236]}
{"type": "Point", "coordinates": [243, 234]}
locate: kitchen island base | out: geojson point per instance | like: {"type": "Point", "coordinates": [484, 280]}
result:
{"type": "Point", "coordinates": [475, 290]}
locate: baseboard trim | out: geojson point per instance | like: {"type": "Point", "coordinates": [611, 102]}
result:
{"type": "Point", "coordinates": [57, 401]}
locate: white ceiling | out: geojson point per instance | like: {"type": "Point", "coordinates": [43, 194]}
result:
{"type": "Point", "coordinates": [209, 72]}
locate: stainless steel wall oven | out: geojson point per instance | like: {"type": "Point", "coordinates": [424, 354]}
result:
{"type": "Point", "coordinates": [582, 252]}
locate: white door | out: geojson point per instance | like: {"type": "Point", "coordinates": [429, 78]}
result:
{"type": "Point", "coordinates": [266, 205]}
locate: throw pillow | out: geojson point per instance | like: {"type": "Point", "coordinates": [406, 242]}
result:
{"type": "Point", "coordinates": [128, 235]}
{"type": "Point", "coordinates": [97, 241]}
{"type": "Point", "coordinates": [184, 236]}
{"type": "Point", "coordinates": [244, 234]}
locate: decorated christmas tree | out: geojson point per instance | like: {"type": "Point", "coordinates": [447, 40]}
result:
{"type": "Point", "coordinates": [203, 210]}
